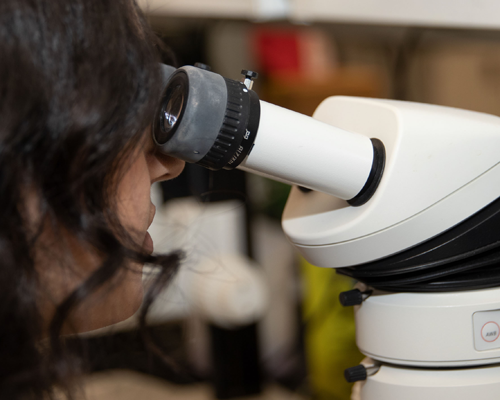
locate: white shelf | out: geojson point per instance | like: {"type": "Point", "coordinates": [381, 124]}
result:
{"type": "Point", "coordinates": [483, 14]}
{"type": "Point", "coordinates": [245, 9]}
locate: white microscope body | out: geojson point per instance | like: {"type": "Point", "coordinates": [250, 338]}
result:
{"type": "Point", "coordinates": [442, 167]}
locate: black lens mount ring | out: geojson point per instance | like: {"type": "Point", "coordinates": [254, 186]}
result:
{"type": "Point", "coordinates": [248, 139]}
{"type": "Point", "coordinates": [171, 110]}
{"type": "Point", "coordinates": [238, 131]}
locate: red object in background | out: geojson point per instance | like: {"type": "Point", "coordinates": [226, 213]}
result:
{"type": "Point", "coordinates": [277, 51]}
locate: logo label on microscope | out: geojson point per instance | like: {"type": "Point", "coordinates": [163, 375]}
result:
{"type": "Point", "coordinates": [489, 332]}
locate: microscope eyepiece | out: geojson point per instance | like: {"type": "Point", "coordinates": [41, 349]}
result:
{"type": "Point", "coordinates": [206, 119]}
{"type": "Point", "coordinates": [220, 123]}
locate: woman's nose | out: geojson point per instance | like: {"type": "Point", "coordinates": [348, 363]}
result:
{"type": "Point", "coordinates": [164, 167]}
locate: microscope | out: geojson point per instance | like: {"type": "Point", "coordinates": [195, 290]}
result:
{"type": "Point", "coordinates": [403, 197]}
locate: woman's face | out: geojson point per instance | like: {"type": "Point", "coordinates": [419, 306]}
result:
{"type": "Point", "coordinates": [122, 296]}
{"type": "Point", "coordinates": [143, 168]}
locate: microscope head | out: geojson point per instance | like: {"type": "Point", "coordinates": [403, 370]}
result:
{"type": "Point", "coordinates": [435, 204]}
{"type": "Point", "coordinates": [389, 180]}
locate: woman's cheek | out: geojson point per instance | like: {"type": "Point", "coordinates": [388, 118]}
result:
{"type": "Point", "coordinates": [133, 199]}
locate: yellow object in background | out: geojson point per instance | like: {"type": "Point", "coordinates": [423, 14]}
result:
{"type": "Point", "coordinates": [329, 332]}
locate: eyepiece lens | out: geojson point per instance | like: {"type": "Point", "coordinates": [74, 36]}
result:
{"type": "Point", "coordinates": [172, 109]}
{"type": "Point", "coordinates": [170, 112]}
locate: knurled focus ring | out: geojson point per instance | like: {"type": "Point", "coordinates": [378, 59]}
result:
{"type": "Point", "coordinates": [233, 129]}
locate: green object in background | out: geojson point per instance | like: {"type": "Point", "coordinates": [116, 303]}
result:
{"type": "Point", "coordinates": [329, 332]}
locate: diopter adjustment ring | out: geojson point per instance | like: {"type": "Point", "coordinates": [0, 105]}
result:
{"type": "Point", "coordinates": [238, 130]}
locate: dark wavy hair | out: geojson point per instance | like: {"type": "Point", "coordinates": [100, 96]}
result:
{"type": "Point", "coordinates": [79, 82]}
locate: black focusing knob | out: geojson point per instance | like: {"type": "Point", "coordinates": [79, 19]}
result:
{"type": "Point", "coordinates": [351, 298]}
{"type": "Point", "coordinates": [355, 374]}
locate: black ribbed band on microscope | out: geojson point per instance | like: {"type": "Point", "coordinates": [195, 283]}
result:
{"type": "Point", "coordinates": [465, 257]}
{"type": "Point", "coordinates": [238, 131]}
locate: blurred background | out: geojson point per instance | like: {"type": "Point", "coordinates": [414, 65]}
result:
{"type": "Point", "coordinates": [246, 317]}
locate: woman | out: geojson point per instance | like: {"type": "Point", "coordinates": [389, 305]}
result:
{"type": "Point", "coordinates": [79, 81]}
